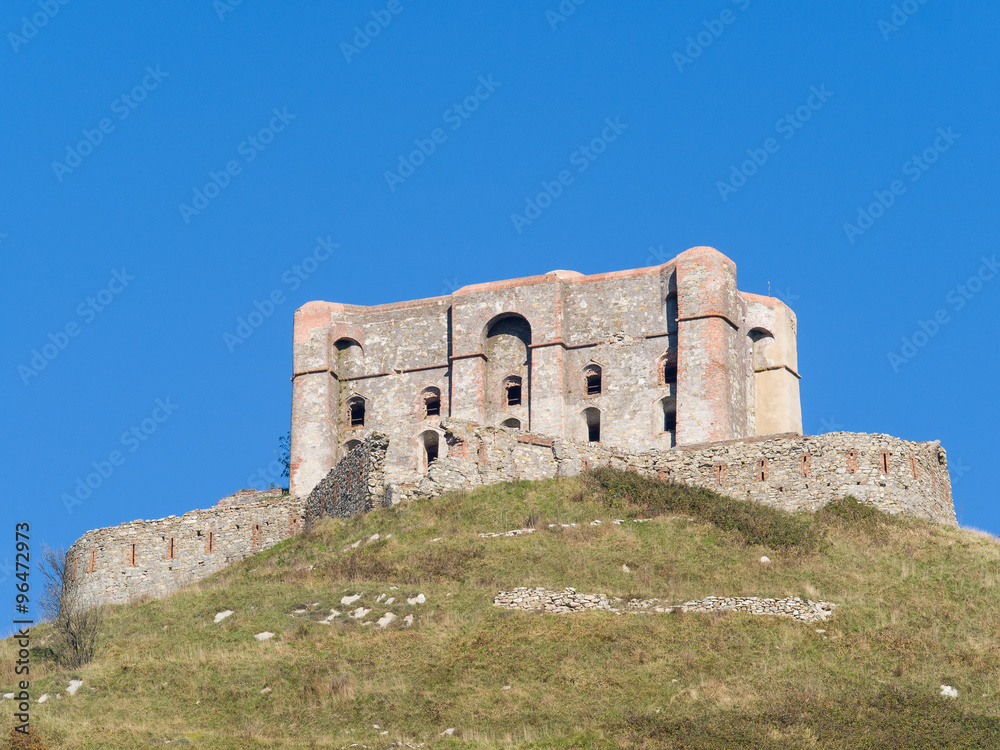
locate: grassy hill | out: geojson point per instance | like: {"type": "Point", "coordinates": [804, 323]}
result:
{"type": "Point", "coordinates": [917, 607]}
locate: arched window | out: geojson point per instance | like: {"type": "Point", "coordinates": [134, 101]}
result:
{"type": "Point", "coordinates": [514, 424]}
{"type": "Point", "coordinates": [761, 340]}
{"type": "Point", "coordinates": [592, 380]}
{"type": "Point", "coordinates": [429, 444]}
{"type": "Point", "coordinates": [431, 402]}
{"type": "Point", "coordinates": [592, 420]}
{"type": "Point", "coordinates": [666, 368]}
{"type": "Point", "coordinates": [356, 411]}
{"type": "Point", "coordinates": [349, 358]}
{"type": "Point", "coordinates": [351, 445]}
{"type": "Point", "coordinates": [512, 391]}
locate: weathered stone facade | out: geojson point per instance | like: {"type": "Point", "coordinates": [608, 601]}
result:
{"type": "Point", "coordinates": [641, 359]}
{"type": "Point", "coordinates": [792, 472]}
{"type": "Point", "coordinates": [355, 485]}
{"type": "Point", "coordinates": [119, 564]}
{"type": "Point", "coordinates": [669, 371]}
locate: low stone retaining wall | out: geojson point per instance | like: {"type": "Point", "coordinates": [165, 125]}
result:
{"type": "Point", "coordinates": [792, 472]}
{"type": "Point", "coordinates": [569, 600]}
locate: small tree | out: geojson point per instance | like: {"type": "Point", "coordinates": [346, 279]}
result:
{"type": "Point", "coordinates": [76, 627]}
{"type": "Point", "coordinates": [285, 453]}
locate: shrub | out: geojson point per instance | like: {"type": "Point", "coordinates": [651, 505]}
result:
{"type": "Point", "coordinates": [20, 741]}
{"type": "Point", "coordinates": [752, 523]}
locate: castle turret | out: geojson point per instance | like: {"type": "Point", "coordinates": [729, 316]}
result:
{"type": "Point", "coordinates": [709, 403]}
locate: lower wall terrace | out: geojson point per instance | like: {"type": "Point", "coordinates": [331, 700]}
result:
{"type": "Point", "coordinates": [119, 564]}
{"type": "Point", "coordinates": [792, 472]}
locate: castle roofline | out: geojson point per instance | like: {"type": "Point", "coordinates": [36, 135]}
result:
{"type": "Point", "coordinates": [564, 276]}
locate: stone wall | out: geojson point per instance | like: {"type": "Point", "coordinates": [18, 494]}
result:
{"type": "Point", "coordinates": [792, 472]}
{"type": "Point", "coordinates": [118, 564]}
{"type": "Point", "coordinates": [152, 558]}
{"type": "Point", "coordinates": [734, 352]}
{"type": "Point", "coordinates": [355, 485]}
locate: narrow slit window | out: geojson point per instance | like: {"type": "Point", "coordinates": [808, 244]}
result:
{"type": "Point", "coordinates": [210, 546]}
{"type": "Point", "coordinates": [592, 380]}
{"type": "Point", "coordinates": [592, 418]}
{"type": "Point", "coordinates": [432, 404]}
{"type": "Point", "coordinates": [669, 373]}
{"type": "Point", "coordinates": [132, 554]}
{"type": "Point", "coordinates": [512, 391]}
{"type": "Point", "coordinates": [669, 421]}
{"type": "Point", "coordinates": [356, 412]}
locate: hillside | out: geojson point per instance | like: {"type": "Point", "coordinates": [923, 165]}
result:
{"type": "Point", "coordinates": [916, 608]}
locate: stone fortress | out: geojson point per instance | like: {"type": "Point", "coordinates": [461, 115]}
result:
{"type": "Point", "coordinates": [669, 370]}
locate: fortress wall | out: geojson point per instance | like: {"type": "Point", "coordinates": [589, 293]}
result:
{"type": "Point", "coordinates": [104, 567]}
{"type": "Point", "coordinates": [355, 485]}
{"type": "Point", "coordinates": [791, 472]}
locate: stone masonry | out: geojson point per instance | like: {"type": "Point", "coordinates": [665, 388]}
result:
{"type": "Point", "coordinates": [792, 472]}
{"type": "Point", "coordinates": [353, 486]}
{"type": "Point", "coordinates": [119, 564]}
{"type": "Point", "coordinates": [669, 371]}
{"type": "Point", "coordinates": [636, 360]}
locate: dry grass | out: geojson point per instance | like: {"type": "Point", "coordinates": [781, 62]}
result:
{"type": "Point", "coordinates": [918, 607]}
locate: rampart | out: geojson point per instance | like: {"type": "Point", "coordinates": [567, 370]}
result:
{"type": "Point", "coordinates": [152, 558]}
{"type": "Point", "coordinates": [119, 564]}
{"type": "Point", "coordinates": [791, 472]}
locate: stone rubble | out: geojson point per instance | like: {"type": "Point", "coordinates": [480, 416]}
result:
{"type": "Point", "coordinates": [569, 600]}
{"type": "Point", "coordinates": [223, 615]}
{"type": "Point", "coordinates": [514, 532]}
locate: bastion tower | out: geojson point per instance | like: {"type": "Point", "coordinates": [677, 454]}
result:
{"type": "Point", "coordinates": [649, 358]}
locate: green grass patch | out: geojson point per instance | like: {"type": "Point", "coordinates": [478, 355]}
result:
{"type": "Point", "coordinates": [917, 609]}
{"type": "Point", "coordinates": [750, 523]}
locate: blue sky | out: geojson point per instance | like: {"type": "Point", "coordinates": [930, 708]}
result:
{"type": "Point", "coordinates": [169, 169]}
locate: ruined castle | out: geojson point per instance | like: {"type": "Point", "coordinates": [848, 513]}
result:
{"type": "Point", "coordinates": [669, 370]}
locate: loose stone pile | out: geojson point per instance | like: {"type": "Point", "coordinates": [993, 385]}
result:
{"type": "Point", "coordinates": [569, 600]}
{"type": "Point", "coordinates": [545, 600]}
{"type": "Point", "coordinates": [805, 611]}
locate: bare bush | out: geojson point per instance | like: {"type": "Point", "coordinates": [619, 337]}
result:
{"type": "Point", "coordinates": [76, 627]}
